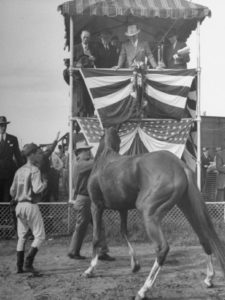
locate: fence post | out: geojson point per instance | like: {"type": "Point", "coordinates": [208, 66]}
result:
{"type": "Point", "coordinates": [69, 218]}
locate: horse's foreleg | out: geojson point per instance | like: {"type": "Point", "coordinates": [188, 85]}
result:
{"type": "Point", "coordinates": [97, 222]}
{"type": "Point", "coordinates": [154, 231]}
{"type": "Point", "coordinates": [210, 272]}
{"type": "Point", "coordinates": [135, 266]}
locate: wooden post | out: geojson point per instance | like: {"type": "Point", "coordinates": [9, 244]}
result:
{"type": "Point", "coordinates": [198, 109]}
{"type": "Point", "coordinates": [71, 112]}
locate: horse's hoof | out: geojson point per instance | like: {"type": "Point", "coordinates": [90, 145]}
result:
{"type": "Point", "coordinates": [87, 275]}
{"type": "Point", "coordinates": [138, 297]}
{"type": "Point", "coordinates": [208, 283]}
{"type": "Point", "coordinates": [136, 267]}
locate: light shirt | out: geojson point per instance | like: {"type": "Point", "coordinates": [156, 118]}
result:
{"type": "Point", "coordinates": [2, 137]}
{"type": "Point", "coordinates": [135, 43]}
{"type": "Point", "coordinates": [27, 181]}
{"type": "Point", "coordinates": [56, 162]}
{"type": "Point", "coordinates": [174, 44]}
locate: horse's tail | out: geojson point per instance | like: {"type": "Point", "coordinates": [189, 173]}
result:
{"type": "Point", "coordinates": [200, 214]}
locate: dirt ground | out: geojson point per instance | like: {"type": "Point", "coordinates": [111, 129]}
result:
{"type": "Point", "coordinates": [181, 277]}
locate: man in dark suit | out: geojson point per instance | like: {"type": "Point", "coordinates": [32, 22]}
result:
{"type": "Point", "coordinates": [220, 182]}
{"type": "Point", "coordinates": [84, 57]}
{"type": "Point", "coordinates": [10, 160]}
{"type": "Point", "coordinates": [106, 56]}
{"type": "Point", "coordinates": [206, 160]}
{"type": "Point", "coordinates": [174, 57]}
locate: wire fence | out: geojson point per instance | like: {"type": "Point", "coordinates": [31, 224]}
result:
{"type": "Point", "coordinates": [59, 220]}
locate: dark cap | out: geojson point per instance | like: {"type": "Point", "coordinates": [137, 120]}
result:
{"type": "Point", "coordinates": [3, 120]}
{"type": "Point", "coordinates": [29, 149]}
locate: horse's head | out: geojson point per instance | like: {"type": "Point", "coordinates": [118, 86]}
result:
{"type": "Point", "coordinates": [112, 139]}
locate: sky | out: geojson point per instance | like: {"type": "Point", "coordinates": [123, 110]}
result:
{"type": "Point", "coordinates": [33, 94]}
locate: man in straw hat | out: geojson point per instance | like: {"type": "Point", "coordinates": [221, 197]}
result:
{"type": "Point", "coordinates": [10, 159]}
{"type": "Point", "coordinates": [135, 51]}
{"type": "Point", "coordinates": [26, 190]}
{"type": "Point", "coordinates": [81, 170]}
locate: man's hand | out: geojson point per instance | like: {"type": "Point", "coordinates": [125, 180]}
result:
{"type": "Point", "coordinates": [57, 136]}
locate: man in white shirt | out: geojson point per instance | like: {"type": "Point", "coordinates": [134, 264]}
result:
{"type": "Point", "coordinates": [26, 189]}
{"type": "Point", "coordinates": [134, 51]}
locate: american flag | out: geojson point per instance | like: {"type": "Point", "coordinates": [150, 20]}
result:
{"type": "Point", "coordinates": [139, 136]}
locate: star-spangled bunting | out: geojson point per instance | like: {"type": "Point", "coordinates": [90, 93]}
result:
{"type": "Point", "coordinates": [153, 135]}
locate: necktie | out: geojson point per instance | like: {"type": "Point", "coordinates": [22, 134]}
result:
{"type": "Point", "coordinates": [1, 138]}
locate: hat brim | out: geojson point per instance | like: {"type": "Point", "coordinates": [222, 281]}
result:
{"type": "Point", "coordinates": [83, 148]}
{"type": "Point", "coordinates": [132, 34]}
{"type": "Point", "coordinates": [4, 123]}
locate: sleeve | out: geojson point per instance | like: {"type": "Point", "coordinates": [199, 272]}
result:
{"type": "Point", "coordinates": [220, 164]}
{"type": "Point", "coordinates": [150, 56]}
{"type": "Point", "coordinates": [185, 58]}
{"type": "Point", "coordinates": [122, 57]}
{"type": "Point", "coordinates": [37, 184]}
{"type": "Point", "coordinates": [17, 153]}
{"type": "Point", "coordinates": [13, 187]}
{"type": "Point", "coordinates": [49, 151]}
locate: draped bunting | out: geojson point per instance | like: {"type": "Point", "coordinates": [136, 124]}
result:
{"type": "Point", "coordinates": [112, 92]}
{"type": "Point", "coordinates": [142, 136]}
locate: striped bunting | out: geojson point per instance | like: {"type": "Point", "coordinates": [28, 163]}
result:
{"type": "Point", "coordinates": [142, 136]}
{"type": "Point", "coordinates": [165, 93]}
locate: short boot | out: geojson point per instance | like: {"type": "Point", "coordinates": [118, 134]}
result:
{"type": "Point", "coordinates": [20, 260]}
{"type": "Point", "coordinates": [30, 259]}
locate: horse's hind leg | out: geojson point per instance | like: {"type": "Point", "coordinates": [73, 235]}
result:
{"type": "Point", "coordinates": [135, 266]}
{"type": "Point", "coordinates": [155, 233]}
{"type": "Point", "coordinates": [185, 207]}
{"type": "Point", "coordinates": [97, 227]}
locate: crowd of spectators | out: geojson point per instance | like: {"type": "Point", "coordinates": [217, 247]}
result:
{"type": "Point", "coordinates": [106, 51]}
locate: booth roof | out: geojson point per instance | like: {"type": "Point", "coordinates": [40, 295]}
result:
{"type": "Point", "coordinates": [174, 9]}
{"type": "Point", "coordinates": [158, 15]}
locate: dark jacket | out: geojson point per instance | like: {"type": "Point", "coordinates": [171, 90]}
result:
{"type": "Point", "coordinates": [81, 172]}
{"type": "Point", "coordinates": [181, 63]}
{"type": "Point", "coordinates": [220, 166]}
{"type": "Point", "coordinates": [10, 157]}
{"type": "Point", "coordinates": [106, 58]}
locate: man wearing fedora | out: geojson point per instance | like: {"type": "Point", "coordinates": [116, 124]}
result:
{"type": "Point", "coordinates": [10, 159]}
{"type": "Point", "coordinates": [81, 170]}
{"type": "Point", "coordinates": [135, 51]}
{"type": "Point", "coordinates": [26, 189]}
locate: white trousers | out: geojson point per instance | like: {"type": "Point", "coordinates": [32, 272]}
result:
{"type": "Point", "coordinates": [29, 217]}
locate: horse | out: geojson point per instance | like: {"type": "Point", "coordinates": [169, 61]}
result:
{"type": "Point", "coordinates": [153, 183]}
